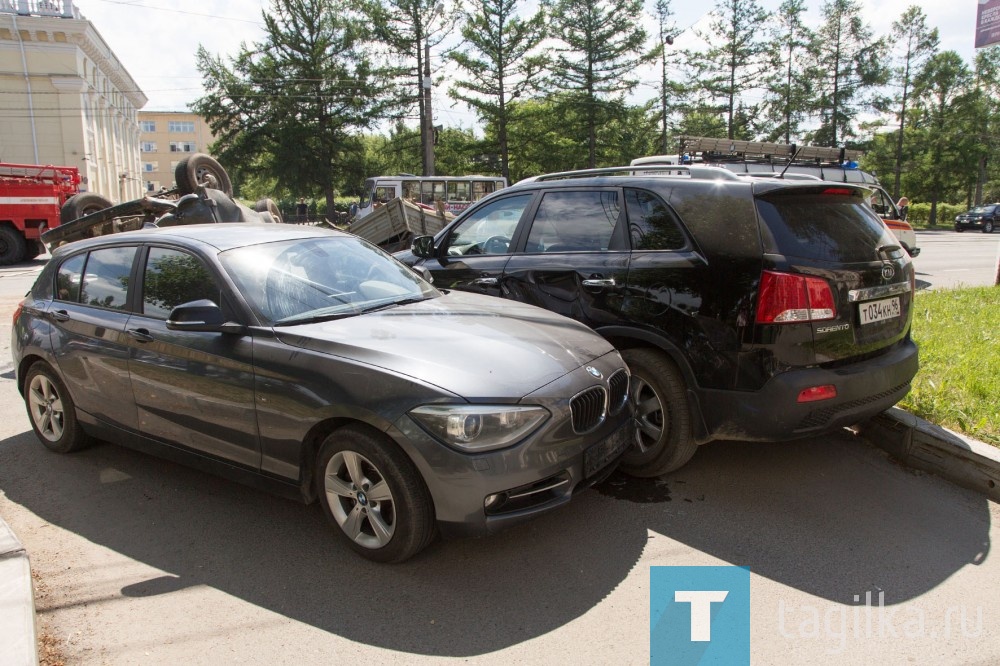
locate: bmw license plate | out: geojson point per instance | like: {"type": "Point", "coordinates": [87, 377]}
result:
{"type": "Point", "coordinates": [599, 455]}
{"type": "Point", "coordinates": [874, 311]}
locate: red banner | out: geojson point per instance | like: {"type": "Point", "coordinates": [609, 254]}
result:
{"type": "Point", "coordinates": [988, 23]}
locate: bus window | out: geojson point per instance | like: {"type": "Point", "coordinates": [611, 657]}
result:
{"type": "Point", "coordinates": [480, 188]}
{"type": "Point", "coordinates": [384, 194]}
{"type": "Point", "coordinates": [367, 193]}
{"type": "Point", "coordinates": [431, 191]}
{"type": "Point", "coordinates": [458, 191]}
{"type": "Point", "coordinates": [411, 190]}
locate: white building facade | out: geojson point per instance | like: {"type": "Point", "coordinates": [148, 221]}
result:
{"type": "Point", "coordinates": [66, 100]}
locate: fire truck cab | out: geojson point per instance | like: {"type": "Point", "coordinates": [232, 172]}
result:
{"type": "Point", "coordinates": [31, 197]}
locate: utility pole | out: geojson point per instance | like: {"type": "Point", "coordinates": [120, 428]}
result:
{"type": "Point", "coordinates": [428, 119]}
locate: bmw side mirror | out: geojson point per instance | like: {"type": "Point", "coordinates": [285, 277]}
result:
{"type": "Point", "coordinates": [203, 315]}
{"type": "Point", "coordinates": [423, 247]}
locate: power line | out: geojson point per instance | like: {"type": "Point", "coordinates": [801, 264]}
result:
{"type": "Point", "coordinates": [172, 10]}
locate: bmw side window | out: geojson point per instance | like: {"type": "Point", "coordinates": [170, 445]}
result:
{"type": "Point", "coordinates": [579, 221]}
{"type": "Point", "coordinates": [489, 229]}
{"type": "Point", "coordinates": [105, 277]}
{"type": "Point", "coordinates": [69, 277]}
{"type": "Point", "coordinates": [172, 278]}
{"type": "Point", "coordinates": [652, 224]}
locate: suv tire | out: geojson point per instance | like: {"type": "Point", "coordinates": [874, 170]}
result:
{"type": "Point", "coordinates": [663, 433]}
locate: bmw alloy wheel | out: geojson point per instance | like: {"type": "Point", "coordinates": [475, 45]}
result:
{"type": "Point", "coordinates": [360, 499]}
{"type": "Point", "coordinates": [46, 408]}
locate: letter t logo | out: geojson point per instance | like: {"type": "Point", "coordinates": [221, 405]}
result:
{"type": "Point", "coordinates": [701, 610]}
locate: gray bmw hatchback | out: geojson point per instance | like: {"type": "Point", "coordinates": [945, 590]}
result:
{"type": "Point", "coordinates": [313, 364]}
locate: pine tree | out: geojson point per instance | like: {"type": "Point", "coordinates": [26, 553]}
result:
{"type": "Point", "coordinates": [501, 63]}
{"type": "Point", "coordinates": [289, 107]}
{"type": "Point", "coordinates": [915, 43]}
{"type": "Point", "coordinates": [602, 45]}
{"type": "Point", "coordinates": [849, 66]}
{"type": "Point", "coordinates": [789, 84]}
{"type": "Point", "coordinates": [733, 65]}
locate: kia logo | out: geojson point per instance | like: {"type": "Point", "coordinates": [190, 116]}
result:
{"type": "Point", "coordinates": [888, 272]}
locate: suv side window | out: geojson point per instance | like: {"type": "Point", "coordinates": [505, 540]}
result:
{"type": "Point", "coordinates": [106, 276]}
{"type": "Point", "coordinates": [173, 277]}
{"type": "Point", "coordinates": [575, 221]}
{"type": "Point", "coordinates": [490, 228]}
{"type": "Point", "coordinates": [652, 224]}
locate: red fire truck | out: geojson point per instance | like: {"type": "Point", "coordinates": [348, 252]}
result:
{"type": "Point", "coordinates": [31, 197]}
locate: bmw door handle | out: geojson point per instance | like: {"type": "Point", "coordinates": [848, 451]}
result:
{"type": "Point", "coordinates": [139, 335]}
{"type": "Point", "coordinates": [59, 315]}
{"type": "Point", "coordinates": [485, 281]}
{"type": "Point", "coordinates": [599, 282]}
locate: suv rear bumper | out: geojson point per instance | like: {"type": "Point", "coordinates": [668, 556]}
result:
{"type": "Point", "coordinates": [773, 413]}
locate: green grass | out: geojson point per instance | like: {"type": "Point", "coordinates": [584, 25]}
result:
{"type": "Point", "coordinates": [958, 385]}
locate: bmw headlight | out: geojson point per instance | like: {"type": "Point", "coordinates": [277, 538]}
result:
{"type": "Point", "coordinates": [477, 428]}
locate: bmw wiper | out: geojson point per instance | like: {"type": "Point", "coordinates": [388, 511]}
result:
{"type": "Point", "coordinates": [385, 306]}
{"type": "Point", "coordinates": [312, 318]}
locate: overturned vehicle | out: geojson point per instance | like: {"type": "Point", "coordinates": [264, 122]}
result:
{"type": "Point", "coordinates": [203, 195]}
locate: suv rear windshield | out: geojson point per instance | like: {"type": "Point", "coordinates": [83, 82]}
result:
{"type": "Point", "coordinates": [833, 224]}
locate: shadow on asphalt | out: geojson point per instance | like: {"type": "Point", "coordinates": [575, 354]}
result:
{"type": "Point", "coordinates": [833, 518]}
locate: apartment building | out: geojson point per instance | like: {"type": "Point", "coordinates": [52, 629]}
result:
{"type": "Point", "coordinates": [66, 99]}
{"type": "Point", "coordinates": [165, 138]}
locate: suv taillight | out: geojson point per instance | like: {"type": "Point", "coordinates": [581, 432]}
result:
{"type": "Point", "coordinates": [787, 298]}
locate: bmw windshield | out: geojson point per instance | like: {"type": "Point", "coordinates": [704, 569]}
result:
{"type": "Point", "coordinates": [312, 279]}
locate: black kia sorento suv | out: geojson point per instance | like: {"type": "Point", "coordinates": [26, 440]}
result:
{"type": "Point", "coordinates": [746, 309]}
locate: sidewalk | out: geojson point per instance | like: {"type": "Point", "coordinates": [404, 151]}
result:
{"type": "Point", "coordinates": [18, 642]}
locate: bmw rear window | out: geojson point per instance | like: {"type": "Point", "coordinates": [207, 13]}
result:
{"type": "Point", "coordinates": [825, 224]}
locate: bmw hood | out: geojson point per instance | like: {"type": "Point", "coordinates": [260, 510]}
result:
{"type": "Point", "coordinates": [468, 344]}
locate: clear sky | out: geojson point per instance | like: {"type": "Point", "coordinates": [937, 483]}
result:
{"type": "Point", "coordinates": [156, 40]}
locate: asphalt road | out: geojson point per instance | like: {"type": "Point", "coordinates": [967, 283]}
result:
{"type": "Point", "coordinates": [142, 561]}
{"type": "Point", "coordinates": [948, 259]}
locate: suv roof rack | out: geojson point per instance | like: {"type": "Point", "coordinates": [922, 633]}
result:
{"type": "Point", "coordinates": [764, 151]}
{"type": "Point", "coordinates": [780, 176]}
{"type": "Point", "coordinates": [700, 172]}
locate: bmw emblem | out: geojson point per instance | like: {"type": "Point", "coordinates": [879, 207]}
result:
{"type": "Point", "coordinates": [594, 372]}
{"type": "Point", "coordinates": [888, 272]}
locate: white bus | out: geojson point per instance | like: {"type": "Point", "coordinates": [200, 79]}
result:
{"type": "Point", "coordinates": [456, 192]}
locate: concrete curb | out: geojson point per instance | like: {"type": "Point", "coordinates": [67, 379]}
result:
{"type": "Point", "coordinates": [18, 640]}
{"type": "Point", "coordinates": [923, 445]}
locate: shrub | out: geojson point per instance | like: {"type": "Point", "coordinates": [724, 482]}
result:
{"type": "Point", "coordinates": [919, 215]}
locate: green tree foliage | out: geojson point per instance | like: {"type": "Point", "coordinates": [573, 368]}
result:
{"type": "Point", "coordinates": [602, 45]}
{"type": "Point", "coordinates": [733, 63]}
{"type": "Point", "coordinates": [549, 142]}
{"type": "Point", "coordinates": [914, 42]}
{"type": "Point", "coordinates": [987, 73]}
{"type": "Point", "coordinates": [409, 29]}
{"type": "Point", "coordinates": [849, 67]}
{"type": "Point", "coordinates": [289, 107]}
{"type": "Point", "coordinates": [944, 110]}
{"type": "Point", "coordinates": [501, 64]}
{"type": "Point", "coordinates": [789, 86]}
